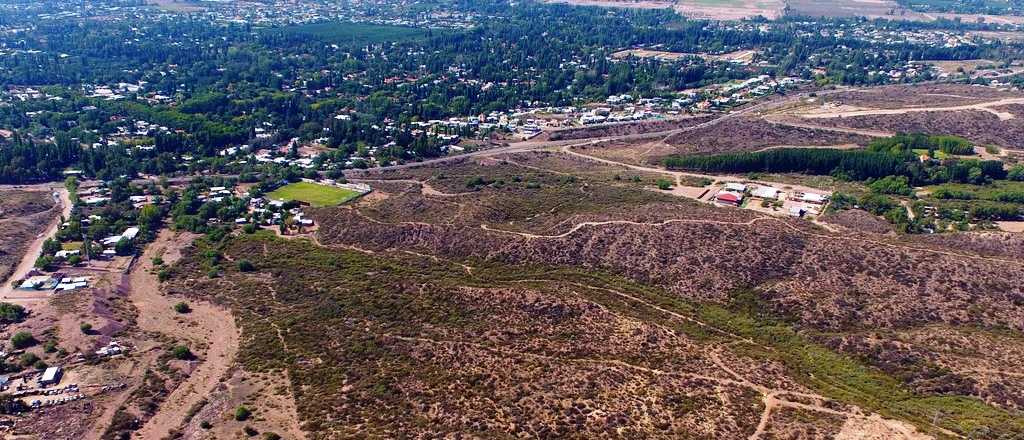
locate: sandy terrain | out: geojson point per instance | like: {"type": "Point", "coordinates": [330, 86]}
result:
{"type": "Point", "coordinates": [730, 9]}
{"type": "Point", "coordinates": [1011, 226]}
{"type": "Point", "coordinates": [617, 3]}
{"type": "Point", "coordinates": [841, 112]}
{"type": "Point", "coordinates": [207, 326]}
{"type": "Point", "coordinates": [844, 8]}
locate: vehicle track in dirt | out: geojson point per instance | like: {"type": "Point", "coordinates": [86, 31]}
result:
{"type": "Point", "coordinates": [210, 325]}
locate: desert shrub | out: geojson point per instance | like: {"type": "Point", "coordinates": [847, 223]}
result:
{"type": "Point", "coordinates": [246, 266]}
{"type": "Point", "coordinates": [85, 327]}
{"type": "Point", "coordinates": [271, 436]}
{"type": "Point", "coordinates": [205, 424]}
{"type": "Point", "coordinates": [182, 352]}
{"type": "Point", "coordinates": [22, 340]}
{"type": "Point", "coordinates": [250, 431]}
{"type": "Point", "coordinates": [664, 184]}
{"type": "Point", "coordinates": [242, 413]}
{"type": "Point", "coordinates": [182, 307]}
{"type": "Point", "coordinates": [28, 359]}
{"type": "Point", "coordinates": [11, 313]}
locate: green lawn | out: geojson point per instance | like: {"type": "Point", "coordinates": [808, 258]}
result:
{"type": "Point", "coordinates": [314, 194]}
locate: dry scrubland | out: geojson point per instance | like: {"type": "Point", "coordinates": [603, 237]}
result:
{"type": "Point", "coordinates": [543, 294]}
{"type": "Point", "coordinates": [731, 135]}
{"type": "Point", "coordinates": [23, 215]}
{"type": "Point", "coordinates": [973, 112]}
{"type": "Point", "coordinates": [540, 294]}
{"type": "Point", "coordinates": [978, 126]}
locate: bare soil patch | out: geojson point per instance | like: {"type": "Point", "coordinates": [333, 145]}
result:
{"type": "Point", "coordinates": [607, 130]}
{"type": "Point", "coordinates": [920, 96]}
{"type": "Point", "coordinates": [750, 134]}
{"type": "Point", "coordinates": [23, 215]}
{"type": "Point", "coordinates": [209, 330]}
{"type": "Point", "coordinates": [730, 9]}
{"type": "Point", "coordinates": [978, 126]}
{"type": "Point", "coordinates": [845, 8]}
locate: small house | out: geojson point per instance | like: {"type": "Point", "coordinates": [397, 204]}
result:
{"type": "Point", "coordinates": [736, 187]}
{"type": "Point", "coordinates": [765, 192]}
{"type": "Point", "coordinates": [51, 376]}
{"type": "Point", "coordinates": [729, 198]}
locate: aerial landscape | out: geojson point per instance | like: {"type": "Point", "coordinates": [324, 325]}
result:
{"type": "Point", "coordinates": [579, 219]}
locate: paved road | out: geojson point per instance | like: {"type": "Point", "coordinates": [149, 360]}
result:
{"type": "Point", "coordinates": [520, 147]}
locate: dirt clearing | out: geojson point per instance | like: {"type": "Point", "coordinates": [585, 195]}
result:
{"type": "Point", "coordinates": [207, 326]}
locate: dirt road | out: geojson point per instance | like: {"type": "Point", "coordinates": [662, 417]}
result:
{"type": "Point", "coordinates": [63, 199]}
{"type": "Point", "coordinates": [984, 106]}
{"type": "Point", "coordinates": [521, 147]}
{"type": "Point", "coordinates": [206, 326]}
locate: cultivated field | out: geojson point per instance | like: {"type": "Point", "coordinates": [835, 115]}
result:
{"type": "Point", "coordinates": [846, 8]}
{"type": "Point", "coordinates": [314, 194]}
{"type": "Point", "coordinates": [730, 9]}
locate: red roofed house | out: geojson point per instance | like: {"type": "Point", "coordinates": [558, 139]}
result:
{"type": "Point", "coordinates": [729, 198]}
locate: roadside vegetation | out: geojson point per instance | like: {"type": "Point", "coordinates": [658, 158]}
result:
{"type": "Point", "coordinates": [369, 303]}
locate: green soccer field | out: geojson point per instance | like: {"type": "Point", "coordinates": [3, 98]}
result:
{"type": "Point", "coordinates": [314, 194]}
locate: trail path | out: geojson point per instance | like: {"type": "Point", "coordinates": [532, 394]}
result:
{"type": "Point", "coordinates": [211, 326]}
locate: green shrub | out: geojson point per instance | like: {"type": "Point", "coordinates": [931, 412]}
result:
{"type": "Point", "coordinates": [28, 359]}
{"type": "Point", "coordinates": [205, 424]}
{"type": "Point", "coordinates": [242, 413]}
{"type": "Point", "coordinates": [664, 184]}
{"type": "Point", "coordinates": [11, 313]}
{"type": "Point", "coordinates": [182, 307]}
{"type": "Point", "coordinates": [182, 352]}
{"type": "Point", "coordinates": [246, 266]}
{"type": "Point", "coordinates": [22, 340]}
{"type": "Point", "coordinates": [85, 327]}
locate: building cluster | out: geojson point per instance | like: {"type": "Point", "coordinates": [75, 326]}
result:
{"type": "Point", "coordinates": [420, 13]}
{"type": "Point", "coordinates": [794, 203]}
